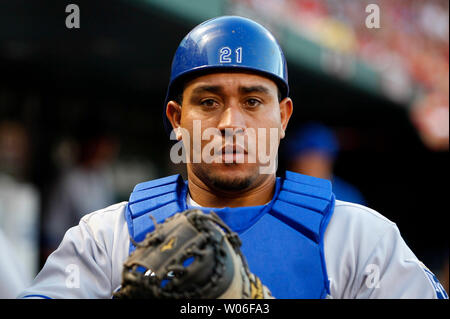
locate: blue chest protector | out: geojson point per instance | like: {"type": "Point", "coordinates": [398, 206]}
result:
{"type": "Point", "coordinates": [282, 241]}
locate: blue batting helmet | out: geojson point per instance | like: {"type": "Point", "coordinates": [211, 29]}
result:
{"type": "Point", "coordinates": [227, 42]}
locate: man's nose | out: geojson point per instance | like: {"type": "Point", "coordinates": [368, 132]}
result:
{"type": "Point", "coordinates": [232, 118]}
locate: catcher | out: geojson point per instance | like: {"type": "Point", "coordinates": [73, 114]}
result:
{"type": "Point", "coordinates": [268, 236]}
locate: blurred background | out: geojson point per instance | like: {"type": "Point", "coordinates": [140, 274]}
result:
{"type": "Point", "coordinates": [81, 108]}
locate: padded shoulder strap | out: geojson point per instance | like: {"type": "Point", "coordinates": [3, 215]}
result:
{"type": "Point", "coordinates": [305, 203]}
{"type": "Point", "coordinates": [161, 198]}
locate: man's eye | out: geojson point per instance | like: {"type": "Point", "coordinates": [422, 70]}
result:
{"type": "Point", "coordinates": [253, 102]}
{"type": "Point", "coordinates": [208, 103]}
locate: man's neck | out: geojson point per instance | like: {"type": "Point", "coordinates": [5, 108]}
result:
{"type": "Point", "coordinates": [206, 196]}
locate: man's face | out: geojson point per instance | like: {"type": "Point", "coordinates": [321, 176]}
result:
{"type": "Point", "coordinates": [240, 122]}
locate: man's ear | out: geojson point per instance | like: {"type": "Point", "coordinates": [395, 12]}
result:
{"type": "Point", "coordinates": [173, 113]}
{"type": "Point", "coordinates": [286, 109]}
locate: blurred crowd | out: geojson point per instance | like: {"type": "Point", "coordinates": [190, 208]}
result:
{"type": "Point", "coordinates": [410, 49]}
{"type": "Point", "coordinates": [313, 150]}
{"type": "Point", "coordinates": [90, 175]}
{"type": "Point", "coordinates": [19, 210]}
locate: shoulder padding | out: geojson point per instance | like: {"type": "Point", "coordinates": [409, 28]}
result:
{"type": "Point", "coordinates": [161, 197]}
{"type": "Point", "coordinates": [303, 202]}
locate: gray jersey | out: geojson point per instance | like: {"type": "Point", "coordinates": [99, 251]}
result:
{"type": "Point", "coordinates": [365, 257]}
{"type": "Point", "coordinates": [13, 277]}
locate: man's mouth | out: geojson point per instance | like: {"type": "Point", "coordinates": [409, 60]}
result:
{"type": "Point", "coordinates": [233, 149]}
{"type": "Point", "coordinates": [233, 153]}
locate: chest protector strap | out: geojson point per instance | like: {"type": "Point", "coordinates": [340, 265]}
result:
{"type": "Point", "coordinates": [289, 235]}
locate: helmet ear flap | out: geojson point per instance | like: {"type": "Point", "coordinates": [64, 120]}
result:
{"type": "Point", "coordinates": [227, 43]}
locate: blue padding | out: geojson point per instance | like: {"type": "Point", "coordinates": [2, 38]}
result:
{"type": "Point", "coordinates": [144, 224]}
{"type": "Point", "coordinates": [142, 207]}
{"type": "Point", "coordinates": [303, 220]}
{"type": "Point", "coordinates": [282, 240]}
{"type": "Point", "coordinates": [308, 190]}
{"type": "Point", "coordinates": [152, 192]}
{"type": "Point", "coordinates": [157, 182]}
{"type": "Point", "coordinates": [309, 202]}
{"type": "Point", "coordinates": [284, 259]}
{"type": "Point", "coordinates": [309, 180]}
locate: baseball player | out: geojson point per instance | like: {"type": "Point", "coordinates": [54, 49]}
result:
{"type": "Point", "coordinates": [230, 73]}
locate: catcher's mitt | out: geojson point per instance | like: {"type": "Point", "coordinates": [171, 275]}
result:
{"type": "Point", "coordinates": [190, 255]}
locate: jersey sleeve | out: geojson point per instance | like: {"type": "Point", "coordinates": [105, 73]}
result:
{"type": "Point", "coordinates": [12, 279]}
{"type": "Point", "coordinates": [366, 257]}
{"type": "Point", "coordinates": [392, 271]}
{"type": "Point", "coordinates": [88, 261]}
